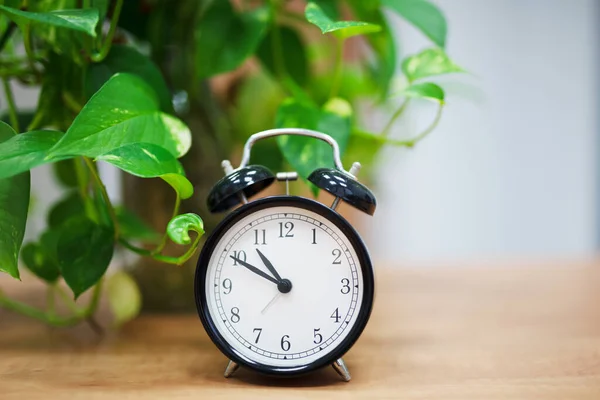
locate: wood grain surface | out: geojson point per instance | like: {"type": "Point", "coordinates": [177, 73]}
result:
{"type": "Point", "coordinates": [495, 332]}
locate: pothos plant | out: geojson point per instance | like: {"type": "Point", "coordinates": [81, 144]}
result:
{"type": "Point", "coordinates": [113, 90]}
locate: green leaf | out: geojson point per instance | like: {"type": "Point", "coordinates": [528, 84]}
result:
{"type": "Point", "coordinates": [124, 297]}
{"type": "Point", "coordinates": [343, 29]}
{"type": "Point", "coordinates": [429, 62]}
{"type": "Point", "coordinates": [23, 152]}
{"type": "Point", "coordinates": [426, 90]}
{"type": "Point", "coordinates": [123, 111]}
{"type": "Point", "coordinates": [69, 206]}
{"type": "Point", "coordinates": [307, 154]}
{"type": "Point", "coordinates": [423, 15]}
{"type": "Point", "coordinates": [382, 43]}
{"type": "Point", "coordinates": [225, 39]}
{"type": "Point", "coordinates": [132, 227]}
{"type": "Point", "coordinates": [179, 227]}
{"type": "Point", "coordinates": [84, 250]}
{"type": "Point", "coordinates": [79, 20]}
{"type": "Point", "coordinates": [65, 172]}
{"type": "Point", "coordinates": [293, 54]}
{"type": "Point", "coordinates": [38, 260]}
{"type": "Point", "coordinates": [14, 204]}
{"type": "Point", "coordinates": [127, 59]}
{"type": "Point", "coordinates": [61, 82]}
{"type": "Point", "coordinates": [148, 160]}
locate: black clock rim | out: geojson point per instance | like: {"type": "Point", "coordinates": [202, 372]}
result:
{"type": "Point", "coordinates": [361, 252]}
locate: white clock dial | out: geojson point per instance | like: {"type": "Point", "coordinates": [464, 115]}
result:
{"type": "Point", "coordinates": [300, 320]}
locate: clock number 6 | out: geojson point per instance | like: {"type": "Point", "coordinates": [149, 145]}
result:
{"type": "Point", "coordinates": [285, 344]}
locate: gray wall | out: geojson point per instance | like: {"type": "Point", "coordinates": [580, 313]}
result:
{"type": "Point", "coordinates": [511, 170]}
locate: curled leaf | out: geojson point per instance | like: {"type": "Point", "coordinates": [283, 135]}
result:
{"type": "Point", "coordinates": [179, 227]}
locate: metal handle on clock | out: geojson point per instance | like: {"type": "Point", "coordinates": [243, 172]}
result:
{"type": "Point", "coordinates": [297, 132]}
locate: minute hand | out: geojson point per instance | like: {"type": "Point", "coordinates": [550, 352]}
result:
{"type": "Point", "coordinates": [269, 265]}
{"type": "Point", "coordinates": [255, 270]}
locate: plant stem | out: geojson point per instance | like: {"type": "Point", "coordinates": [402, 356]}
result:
{"type": "Point", "coordinates": [276, 45]}
{"type": "Point", "coordinates": [111, 33]}
{"type": "Point", "coordinates": [12, 108]}
{"type": "Point", "coordinates": [102, 188]}
{"type": "Point", "coordinates": [35, 313]}
{"type": "Point", "coordinates": [338, 69]}
{"type": "Point", "coordinates": [167, 259]}
{"type": "Point", "coordinates": [397, 114]}
{"type": "Point", "coordinates": [29, 50]}
{"type": "Point", "coordinates": [68, 301]}
{"type": "Point", "coordinates": [50, 304]}
{"type": "Point", "coordinates": [50, 317]}
{"type": "Point", "coordinates": [406, 143]}
{"type": "Point", "coordinates": [35, 122]}
{"type": "Point", "coordinates": [93, 304]}
{"type": "Point", "coordinates": [7, 34]}
{"type": "Point", "coordinates": [165, 237]}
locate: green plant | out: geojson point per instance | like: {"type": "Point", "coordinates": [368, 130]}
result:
{"type": "Point", "coordinates": [116, 95]}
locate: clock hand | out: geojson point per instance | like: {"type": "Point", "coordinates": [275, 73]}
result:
{"type": "Point", "coordinates": [264, 310]}
{"type": "Point", "coordinates": [255, 270]}
{"type": "Point", "coordinates": [269, 265]}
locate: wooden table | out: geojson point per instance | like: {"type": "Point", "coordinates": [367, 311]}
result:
{"type": "Point", "coordinates": [499, 332]}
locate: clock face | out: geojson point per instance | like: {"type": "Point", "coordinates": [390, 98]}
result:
{"type": "Point", "coordinates": [284, 285]}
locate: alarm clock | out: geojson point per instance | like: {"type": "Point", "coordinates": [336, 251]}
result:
{"type": "Point", "coordinates": [284, 284]}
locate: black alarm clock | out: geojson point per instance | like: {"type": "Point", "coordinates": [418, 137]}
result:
{"type": "Point", "coordinates": [284, 285]}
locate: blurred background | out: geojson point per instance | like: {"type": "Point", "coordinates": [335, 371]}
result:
{"type": "Point", "coordinates": [512, 169]}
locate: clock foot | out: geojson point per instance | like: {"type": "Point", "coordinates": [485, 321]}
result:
{"type": "Point", "coordinates": [340, 367]}
{"type": "Point", "coordinates": [231, 368]}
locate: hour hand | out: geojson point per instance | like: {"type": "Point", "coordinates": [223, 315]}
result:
{"type": "Point", "coordinates": [255, 270]}
{"type": "Point", "coordinates": [269, 265]}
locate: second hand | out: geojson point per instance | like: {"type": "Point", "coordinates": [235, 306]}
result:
{"type": "Point", "coordinates": [264, 310]}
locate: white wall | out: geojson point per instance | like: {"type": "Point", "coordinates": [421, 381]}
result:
{"type": "Point", "coordinates": [512, 169]}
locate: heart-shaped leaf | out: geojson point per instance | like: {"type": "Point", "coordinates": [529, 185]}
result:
{"type": "Point", "coordinates": [429, 62]}
{"type": "Point", "coordinates": [179, 227]}
{"type": "Point", "coordinates": [293, 55]}
{"type": "Point", "coordinates": [148, 160]}
{"type": "Point", "coordinates": [224, 38]}
{"type": "Point", "coordinates": [423, 15]}
{"type": "Point", "coordinates": [127, 59]}
{"type": "Point", "coordinates": [306, 154]}
{"type": "Point", "coordinates": [84, 250]}
{"type": "Point", "coordinates": [23, 152]}
{"type": "Point", "coordinates": [84, 20]}
{"type": "Point", "coordinates": [124, 297]}
{"type": "Point", "coordinates": [69, 206]}
{"type": "Point", "coordinates": [382, 43]}
{"type": "Point", "coordinates": [132, 227]}
{"type": "Point", "coordinates": [37, 260]}
{"type": "Point", "coordinates": [425, 90]}
{"type": "Point", "coordinates": [343, 29]}
{"type": "Point", "coordinates": [14, 204]}
{"type": "Point", "coordinates": [125, 110]}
